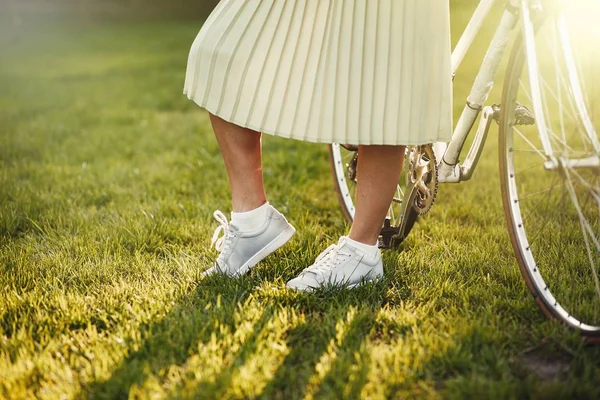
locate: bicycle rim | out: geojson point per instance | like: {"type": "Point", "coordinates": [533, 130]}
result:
{"type": "Point", "coordinates": [552, 210]}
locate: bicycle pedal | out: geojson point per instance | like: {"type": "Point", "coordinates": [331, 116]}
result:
{"type": "Point", "coordinates": [387, 235]}
{"type": "Point", "coordinates": [523, 116]}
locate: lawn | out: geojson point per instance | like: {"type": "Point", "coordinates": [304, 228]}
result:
{"type": "Point", "coordinates": [108, 180]}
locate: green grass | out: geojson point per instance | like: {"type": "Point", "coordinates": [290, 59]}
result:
{"type": "Point", "coordinates": [108, 179]}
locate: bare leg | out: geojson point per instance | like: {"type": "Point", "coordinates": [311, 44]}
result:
{"type": "Point", "coordinates": [378, 174]}
{"type": "Point", "coordinates": [241, 152]}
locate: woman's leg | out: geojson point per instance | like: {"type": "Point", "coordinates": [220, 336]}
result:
{"type": "Point", "coordinates": [350, 264]}
{"type": "Point", "coordinates": [378, 173]}
{"type": "Point", "coordinates": [241, 152]}
{"type": "Point", "coordinates": [242, 244]}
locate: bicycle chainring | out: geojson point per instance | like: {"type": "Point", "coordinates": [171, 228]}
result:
{"type": "Point", "coordinates": [422, 171]}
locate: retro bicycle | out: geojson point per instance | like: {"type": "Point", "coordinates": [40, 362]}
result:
{"type": "Point", "coordinates": [549, 151]}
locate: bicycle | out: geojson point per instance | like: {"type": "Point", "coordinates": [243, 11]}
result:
{"type": "Point", "coordinates": [549, 153]}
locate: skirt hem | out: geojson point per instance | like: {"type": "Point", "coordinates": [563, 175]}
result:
{"type": "Point", "coordinates": [308, 138]}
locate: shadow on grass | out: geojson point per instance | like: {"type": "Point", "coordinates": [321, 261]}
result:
{"type": "Point", "coordinates": [171, 340]}
{"type": "Point", "coordinates": [297, 374]}
{"type": "Point", "coordinates": [197, 318]}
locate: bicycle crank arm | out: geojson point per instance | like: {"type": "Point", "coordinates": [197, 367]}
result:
{"type": "Point", "coordinates": [408, 200]}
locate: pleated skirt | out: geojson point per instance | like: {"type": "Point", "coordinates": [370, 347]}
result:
{"type": "Point", "coordinates": [346, 71]}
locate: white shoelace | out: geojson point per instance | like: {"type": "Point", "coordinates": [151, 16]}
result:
{"type": "Point", "coordinates": [332, 256]}
{"type": "Point", "coordinates": [222, 242]}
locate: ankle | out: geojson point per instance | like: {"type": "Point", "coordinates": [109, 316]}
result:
{"type": "Point", "coordinates": [251, 220]}
{"type": "Point", "coordinates": [370, 250]}
{"type": "Point", "coordinates": [367, 241]}
{"type": "Point", "coordinates": [247, 206]}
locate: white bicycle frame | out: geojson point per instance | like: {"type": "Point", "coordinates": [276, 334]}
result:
{"type": "Point", "coordinates": [450, 169]}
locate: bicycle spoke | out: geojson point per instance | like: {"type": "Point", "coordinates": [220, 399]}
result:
{"type": "Point", "coordinates": [540, 192]}
{"type": "Point", "coordinates": [561, 81]}
{"type": "Point", "coordinates": [535, 207]}
{"type": "Point", "coordinates": [585, 226]}
{"type": "Point", "coordinates": [562, 141]}
{"type": "Point", "coordinates": [558, 80]}
{"type": "Point", "coordinates": [547, 221]}
{"type": "Point", "coordinates": [587, 185]}
{"type": "Point", "coordinates": [528, 168]}
{"type": "Point", "coordinates": [538, 151]}
{"type": "Point", "coordinates": [576, 89]}
{"type": "Point", "coordinates": [525, 91]}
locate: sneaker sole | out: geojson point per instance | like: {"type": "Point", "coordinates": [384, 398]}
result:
{"type": "Point", "coordinates": [365, 282]}
{"type": "Point", "coordinates": [275, 244]}
{"type": "Point", "coordinates": [310, 289]}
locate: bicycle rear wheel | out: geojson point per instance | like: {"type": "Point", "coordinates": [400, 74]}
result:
{"type": "Point", "coordinates": [550, 171]}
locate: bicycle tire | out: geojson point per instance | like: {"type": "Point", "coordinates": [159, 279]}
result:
{"type": "Point", "coordinates": [536, 268]}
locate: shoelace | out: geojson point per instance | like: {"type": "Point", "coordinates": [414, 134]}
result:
{"type": "Point", "coordinates": [222, 242]}
{"type": "Point", "coordinates": [332, 256]}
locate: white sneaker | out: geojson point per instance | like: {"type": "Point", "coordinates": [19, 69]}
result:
{"type": "Point", "coordinates": [240, 251]}
{"type": "Point", "coordinates": [340, 264]}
